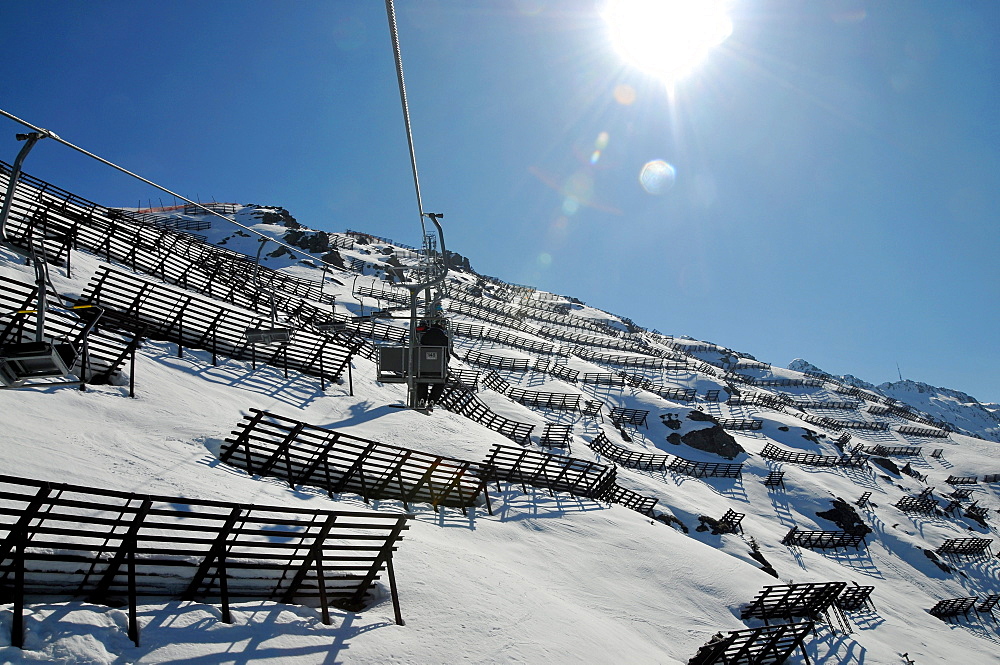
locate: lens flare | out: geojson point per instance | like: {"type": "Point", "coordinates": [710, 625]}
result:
{"type": "Point", "coordinates": [599, 145]}
{"type": "Point", "coordinates": [624, 94]}
{"type": "Point", "coordinates": [657, 176]}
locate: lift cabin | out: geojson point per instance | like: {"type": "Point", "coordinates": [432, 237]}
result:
{"type": "Point", "coordinates": [20, 363]}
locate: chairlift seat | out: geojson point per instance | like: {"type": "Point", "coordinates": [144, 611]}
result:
{"type": "Point", "coordinates": [268, 335]}
{"type": "Point", "coordinates": [431, 364]}
{"type": "Point", "coordinates": [35, 360]}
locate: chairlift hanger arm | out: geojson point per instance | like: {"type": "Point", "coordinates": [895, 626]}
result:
{"type": "Point", "coordinates": [41, 269]}
{"type": "Point", "coordinates": [270, 292]}
{"type": "Point", "coordinates": [434, 217]}
{"type": "Point", "coordinates": [15, 173]}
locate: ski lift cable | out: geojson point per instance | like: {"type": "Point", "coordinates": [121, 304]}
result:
{"type": "Point", "coordinates": [434, 217]}
{"type": "Point", "coordinates": [49, 134]}
{"type": "Point", "coordinates": [433, 278]}
{"type": "Point", "coordinates": [45, 133]}
{"type": "Point", "coordinates": [398, 57]}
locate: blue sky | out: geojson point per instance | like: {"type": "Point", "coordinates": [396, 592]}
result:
{"type": "Point", "coordinates": [837, 162]}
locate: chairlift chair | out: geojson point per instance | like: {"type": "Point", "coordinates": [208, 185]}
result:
{"type": "Point", "coordinates": [23, 362]}
{"type": "Point", "coordinates": [276, 333]}
{"type": "Point", "coordinates": [268, 335]}
{"type": "Point", "coordinates": [331, 326]}
{"type": "Point", "coordinates": [431, 364]}
{"type": "Point", "coordinates": [34, 360]}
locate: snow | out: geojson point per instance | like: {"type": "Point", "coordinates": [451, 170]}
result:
{"type": "Point", "coordinates": [545, 579]}
{"type": "Point", "coordinates": [953, 406]}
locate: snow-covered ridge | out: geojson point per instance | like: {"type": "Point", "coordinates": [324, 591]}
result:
{"type": "Point", "coordinates": [960, 410]}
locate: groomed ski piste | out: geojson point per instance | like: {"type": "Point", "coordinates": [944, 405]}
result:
{"type": "Point", "coordinates": [540, 576]}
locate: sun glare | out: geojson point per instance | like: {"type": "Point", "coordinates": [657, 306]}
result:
{"type": "Point", "coordinates": [667, 38]}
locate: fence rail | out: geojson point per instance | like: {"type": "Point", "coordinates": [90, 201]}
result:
{"type": "Point", "coordinates": [60, 539]}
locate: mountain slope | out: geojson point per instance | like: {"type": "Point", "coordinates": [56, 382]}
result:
{"type": "Point", "coordinates": [547, 577]}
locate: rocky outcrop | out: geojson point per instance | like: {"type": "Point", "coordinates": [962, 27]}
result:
{"type": "Point", "coordinates": [713, 440]}
{"type": "Point", "coordinates": [843, 515]}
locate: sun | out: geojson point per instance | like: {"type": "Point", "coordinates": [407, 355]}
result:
{"type": "Point", "coordinates": [667, 38]}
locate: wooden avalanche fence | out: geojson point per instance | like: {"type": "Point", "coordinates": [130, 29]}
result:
{"type": "Point", "coordinates": [663, 462]}
{"type": "Point", "coordinates": [461, 400]}
{"type": "Point", "coordinates": [558, 473]}
{"type": "Point", "coordinates": [823, 540]}
{"type": "Point", "coordinates": [112, 547]}
{"type": "Point", "coordinates": [767, 645]}
{"type": "Point", "coordinates": [165, 312]}
{"type": "Point", "coordinates": [787, 601]}
{"type": "Point", "coordinates": [536, 398]}
{"type": "Point", "coordinates": [772, 451]}
{"type": "Point", "coordinates": [666, 392]}
{"type": "Point", "coordinates": [266, 444]}
{"type": "Point", "coordinates": [463, 329]}
{"type": "Point", "coordinates": [66, 220]}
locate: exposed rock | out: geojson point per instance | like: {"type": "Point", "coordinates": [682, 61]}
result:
{"type": "Point", "coordinates": [334, 258]}
{"type": "Point", "coordinates": [937, 561]}
{"type": "Point", "coordinates": [669, 520]}
{"type": "Point", "coordinates": [314, 242]}
{"type": "Point", "coordinates": [713, 440]}
{"type": "Point", "coordinates": [700, 416]}
{"type": "Point", "coordinates": [811, 435]}
{"type": "Point", "coordinates": [281, 251]}
{"type": "Point", "coordinates": [671, 421]}
{"type": "Point", "coordinates": [706, 653]}
{"type": "Point", "coordinates": [276, 215]}
{"type": "Point", "coordinates": [717, 528]}
{"type": "Point", "coordinates": [758, 556]}
{"type": "Point", "coordinates": [844, 516]}
{"type": "Point", "coordinates": [458, 262]}
{"type": "Point", "coordinates": [886, 464]}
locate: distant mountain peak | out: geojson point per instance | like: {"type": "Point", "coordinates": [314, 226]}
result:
{"type": "Point", "coordinates": [909, 385]}
{"type": "Point", "coordinates": [944, 404]}
{"type": "Point", "coordinates": [801, 365]}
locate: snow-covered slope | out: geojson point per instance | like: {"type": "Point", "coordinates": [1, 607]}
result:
{"type": "Point", "coordinates": [954, 407]}
{"type": "Point", "coordinates": [545, 578]}
{"type": "Point", "coordinates": [951, 406]}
